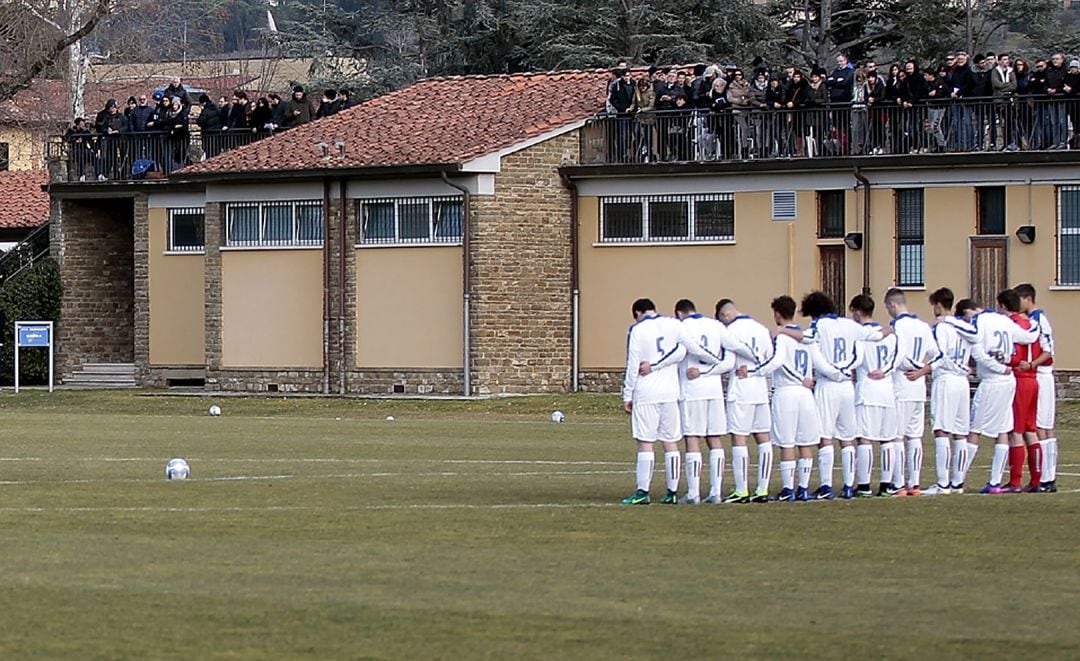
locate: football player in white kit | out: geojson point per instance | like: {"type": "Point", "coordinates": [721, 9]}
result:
{"type": "Point", "coordinates": [875, 403]}
{"type": "Point", "coordinates": [915, 349]}
{"type": "Point", "coordinates": [992, 409]}
{"type": "Point", "coordinates": [950, 393]}
{"type": "Point", "coordinates": [710, 354]}
{"type": "Point", "coordinates": [1044, 365]}
{"type": "Point", "coordinates": [748, 404]}
{"type": "Point", "coordinates": [652, 399]}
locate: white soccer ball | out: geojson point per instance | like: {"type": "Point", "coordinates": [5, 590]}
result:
{"type": "Point", "coordinates": [389, 418]}
{"type": "Point", "coordinates": [558, 416]}
{"type": "Point", "coordinates": [215, 410]}
{"type": "Point", "coordinates": [177, 469]}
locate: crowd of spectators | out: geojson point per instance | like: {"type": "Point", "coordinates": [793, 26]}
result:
{"type": "Point", "coordinates": [964, 104]}
{"type": "Point", "coordinates": [153, 133]}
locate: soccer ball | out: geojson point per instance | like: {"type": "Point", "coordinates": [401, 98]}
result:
{"type": "Point", "coordinates": [215, 410]}
{"type": "Point", "coordinates": [558, 416]}
{"type": "Point", "coordinates": [177, 469]}
{"type": "Point", "coordinates": [389, 418]}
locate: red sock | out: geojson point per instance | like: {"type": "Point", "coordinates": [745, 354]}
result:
{"type": "Point", "coordinates": [1016, 465]}
{"type": "Point", "coordinates": [1034, 457]}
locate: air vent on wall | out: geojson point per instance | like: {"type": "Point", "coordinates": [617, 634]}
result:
{"type": "Point", "coordinates": [783, 205]}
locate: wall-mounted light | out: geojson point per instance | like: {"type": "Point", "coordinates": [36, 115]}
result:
{"type": "Point", "coordinates": [1026, 233]}
{"type": "Point", "coordinates": [853, 240]}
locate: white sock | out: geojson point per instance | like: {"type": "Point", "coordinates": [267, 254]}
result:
{"type": "Point", "coordinates": [826, 457]}
{"type": "Point", "coordinates": [959, 462]}
{"type": "Point", "coordinates": [716, 471]}
{"type": "Point", "coordinates": [740, 462]}
{"type": "Point", "coordinates": [1049, 462]}
{"type": "Point", "coordinates": [672, 469]}
{"type": "Point", "coordinates": [806, 469]}
{"type": "Point", "coordinates": [941, 460]}
{"type": "Point", "coordinates": [888, 459]}
{"type": "Point", "coordinates": [972, 450]}
{"type": "Point", "coordinates": [693, 475]}
{"type": "Point", "coordinates": [764, 467]}
{"type": "Point", "coordinates": [864, 463]}
{"type": "Point", "coordinates": [898, 464]}
{"type": "Point", "coordinates": [847, 465]}
{"type": "Point", "coordinates": [645, 462]}
{"type": "Point", "coordinates": [787, 474]}
{"type": "Point", "coordinates": [997, 466]}
{"type": "Point", "coordinates": [914, 461]}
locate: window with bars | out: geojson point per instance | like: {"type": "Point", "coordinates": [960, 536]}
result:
{"type": "Point", "coordinates": [187, 229]}
{"type": "Point", "coordinates": [1068, 248]}
{"type": "Point", "coordinates": [831, 214]}
{"type": "Point", "coordinates": [274, 224]}
{"type": "Point", "coordinates": [991, 209]}
{"type": "Point", "coordinates": [411, 220]}
{"type": "Point", "coordinates": [663, 218]}
{"type": "Point", "coordinates": [910, 238]}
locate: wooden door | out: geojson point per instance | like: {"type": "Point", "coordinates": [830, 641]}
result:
{"type": "Point", "coordinates": [989, 269]}
{"type": "Point", "coordinates": [832, 274]}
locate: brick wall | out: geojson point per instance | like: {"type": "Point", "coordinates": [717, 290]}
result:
{"type": "Point", "coordinates": [520, 269]}
{"type": "Point", "coordinates": [141, 287]}
{"type": "Point", "coordinates": [93, 242]}
{"type": "Point", "coordinates": [213, 232]}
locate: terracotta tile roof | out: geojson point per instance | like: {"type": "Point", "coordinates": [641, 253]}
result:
{"type": "Point", "coordinates": [25, 203]}
{"type": "Point", "coordinates": [439, 120]}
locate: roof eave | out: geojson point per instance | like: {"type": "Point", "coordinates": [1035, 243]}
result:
{"type": "Point", "coordinates": [365, 172]}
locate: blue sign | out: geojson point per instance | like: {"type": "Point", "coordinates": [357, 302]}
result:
{"type": "Point", "coordinates": [34, 336]}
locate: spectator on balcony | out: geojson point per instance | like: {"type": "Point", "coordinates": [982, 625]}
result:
{"type": "Point", "coordinates": [139, 117]}
{"type": "Point", "coordinates": [237, 121]}
{"type": "Point", "coordinates": [797, 100]}
{"type": "Point", "coordinates": [1003, 84]}
{"type": "Point", "coordinates": [859, 114]}
{"type": "Point", "coordinates": [1072, 94]}
{"type": "Point", "coordinates": [177, 89]}
{"type": "Point", "coordinates": [659, 79]}
{"type": "Point", "coordinates": [1024, 108]}
{"type": "Point", "coordinates": [262, 116]}
{"type": "Point", "coordinates": [741, 99]}
{"type": "Point", "coordinates": [698, 89]}
{"type": "Point", "coordinates": [912, 93]}
{"type": "Point", "coordinates": [620, 101]}
{"type": "Point", "coordinates": [720, 134]}
{"type": "Point", "coordinates": [112, 124]}
{"type": "Point", "coordinates": [962, 84]}
{"type": "Point", "coordinates": [616, 74]}
{"type": "Point", "coordinates": [841, 82]}
{"type": "Point", "coordinates": [176, 120]}
{"type": "Point", "coordinates": [129, 108]}
{"type": "Point", "coordinates": [209, 121]}
{"type": "Point", "coordinates": [644, 110]}
{"type": "Point", "coordinates": [344, 99]}
{"type": "Point", "coordinates": [679, 129]}
{"type": "Point", "coordinates": [815, 116]}
{"type": "Point", "coordinates": [877, 113]}
{"type": "Point", "coordinates": [83, 151]}
{"type": "Point", "coordinates": [277, 111]}
{"type": "Point", "coordinates": [297, 110]}
{"type": "Point", "coordinates": [328, 104]}
{"type": "Point", "coordinates": [937, 96]}
{"type": "Point", "coordinates": [1057, 118]}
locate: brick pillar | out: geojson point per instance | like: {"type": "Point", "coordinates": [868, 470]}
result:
{"type": "Point", "coordinates": [213, 231]}
{"type": "Point", "coordinates": [339, 340]}
{"type": "Point", "coordinates": [520, 265]}
{"type": "Point", "coordinates": [142, 288]}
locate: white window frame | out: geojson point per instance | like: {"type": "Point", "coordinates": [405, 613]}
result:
{"type": "Point", "coordinates": [262, 242]}
{"type": "Point", "coordinates": [170, 243]}
{"type": "Point", "coordinates": [397, 240]}
{"type": "Point", "coordinates": [1064, 231]}
{"type": "Point", "coordinates": [646, 202]}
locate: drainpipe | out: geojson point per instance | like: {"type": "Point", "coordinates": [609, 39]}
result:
{"type": "Point", "coordinates": [326, 286]}
{"type": "Point", "coordinates": [343, 217]}
{"type": "Point", "coordinates": [575, 286]}
{"type": "Point", "coordinates": [466, 280]}
{"type": "Point", "coordinates": [866, 230]}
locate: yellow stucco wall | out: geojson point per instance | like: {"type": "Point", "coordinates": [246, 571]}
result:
{"type": "Point", "coordinates": [272, 308]}
{"type": "Point", "coordinates": [25, 147]}
{"type": "Point", "coordinates": [409, 307]}
{"type": "Point", "coordinates": [177, 327]}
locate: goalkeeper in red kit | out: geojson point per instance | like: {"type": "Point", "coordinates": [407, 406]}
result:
{"type": "Point", "coordinates": [1025, 404]}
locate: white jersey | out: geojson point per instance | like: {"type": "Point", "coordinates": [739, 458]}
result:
{"type": "Point", "coordinates": [915, 347]}
{"type": "Point", "coordinates": [993, 347]}
{"type": "Point", "coordinates": [753, 389]}
{"type": "Point", "coordinates": [1046, 339]}
{"type": "Point", "coordinates": [654, 339]}
{"type": "Point", "coordinates": [790, 365]}
{"type": "Point", "coordinates": [875, 356]}
{"type": "Point", "coordinates": [705, 340]}
{"type": "Point", "coordinates": [837, 338]}
{"type": "Point", "coordinates": [954, 338]}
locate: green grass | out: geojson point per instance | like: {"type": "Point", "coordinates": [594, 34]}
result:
{"type": "Point", "coordinates": [314, 528]}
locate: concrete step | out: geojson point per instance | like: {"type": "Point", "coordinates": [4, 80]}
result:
{"type": "Point", "coordinates": [101, 378]}
{"type": "Point", "coordinates": [108, 368]}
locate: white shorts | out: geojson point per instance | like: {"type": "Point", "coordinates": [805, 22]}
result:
{"type": "Point", "coordinates": [911, 419]}
{"type": "Point", "coordinates": [656, 422]}
{"type": "Point", "coordinates": [1045, 417]}
{"type": "Point", "coordinates": [992, 409]}
{"type": "Point", "coordinates": [950, 404]}
{"type": "Point", "coordinates": [746, 419]}
{"type": "Point", "coordinates": [704, 417]}
{"type": "Point", "coordinates": [836, 408]}
{"type": "Point", "coordinates": [794, 417]}
{"type": "Point", "coordinates": [876, 423]}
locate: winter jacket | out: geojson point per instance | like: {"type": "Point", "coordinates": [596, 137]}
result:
{"type": "Point", "coordinates": [817, 96]}
{"type": "Point", "coordinates": [841, 83]}
{"type": "Point", "coordinates": [980, 83]}
{"type": "Point", "coordinates": [237, 119]}
{"type": "Point", "coordinates": [620, 96]}
{"type": "Point", "coordinates": [1003, 81]}
{"type": "Point", "coordinates": [1055, 80]}
{"type": "Point", "coordinates": [295, 113]}
{"type": "Point", "coordinates": [107, 123]}
{"type": "Point", "coordinates": [138, 118]}
{"type": "Point", "coordinates": [739, 96]}
{"type": "Point", "coordinates": [180, 91]}
{"type": "Point", "coordinates": [209, 120]}
{"type": "Point", "coordinates": [261, 116]}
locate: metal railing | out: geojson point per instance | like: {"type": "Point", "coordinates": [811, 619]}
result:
{"type": "Point", "coordinates": [975, 125]}
{"type": "Point", "coordinates": [29, 251]}
{"type": "Point", "coordinates": [132, 156]}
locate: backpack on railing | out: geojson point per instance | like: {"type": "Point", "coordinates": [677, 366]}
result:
{"type": "Point", "coordinates": [142, 167]}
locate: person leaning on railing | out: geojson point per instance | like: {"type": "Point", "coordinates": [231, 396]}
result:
{"type": "Point", "coordinates": [644, 110]}
{"type": "Point", "coordinates": [82, 149]}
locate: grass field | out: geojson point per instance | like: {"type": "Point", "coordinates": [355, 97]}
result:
{"type": "Point", "coordinates": [317, 529]}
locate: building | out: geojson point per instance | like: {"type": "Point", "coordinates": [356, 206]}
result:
{"type": "Point", "coordinates": [488, 234]}
{"type": "Point", "coordinates": [26, 205]}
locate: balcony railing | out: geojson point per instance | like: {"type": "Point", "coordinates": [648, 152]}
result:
{"type": "Point", "coordinates": [984, 125]}
{"type": "Point", "coordinates": [133, 156]}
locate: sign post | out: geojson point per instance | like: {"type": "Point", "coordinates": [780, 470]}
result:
{"type": "Point", "coordinates": [33, 334]}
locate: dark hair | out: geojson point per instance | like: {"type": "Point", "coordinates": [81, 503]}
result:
{"type": "Point", "coordinates": [344, 91]}
{"type": "Point", "coordinates": [862, 304]}
{"type": "Point", "coordinates": [1025, 290]}
{"type": "Point", "coordinates": [685, 305]}
{"type": "Point", "coordinates": [240, 94]}
{"type": "Point", "coordinates": [330, 93]}
{"type": "Point", "coordinates": [943, 297]}
{"type": "Point", "coordinates": [273, 97]}
{"type": "Point", "coordinates": [204, 98]}
{"type": "Point", "coordinates": [895, 295]}
{"type": "Point", "coordinates": [723, 303]}
{"type": "Point", "coordinates": [1009, 300]}
{"type": "Point", "coordinates": [643, 305]}
{"type": "Point", "coordinates": [784, 306]}
{"type": "Point", "coordinates": [963, 305]}
{"type": "Point", "coordinates": [817, 304]}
